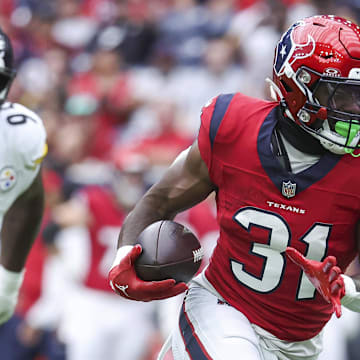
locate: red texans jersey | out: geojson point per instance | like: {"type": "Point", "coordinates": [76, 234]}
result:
{"type": "Point", "coordinates": [104, 228]}
{"type": "Point", "coordinates": [262, 209]}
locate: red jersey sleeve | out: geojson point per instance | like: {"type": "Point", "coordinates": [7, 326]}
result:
{"type": "Point", "coordinates": [211, 118]}
{"type": "Point", "coordinates": [203, 137]}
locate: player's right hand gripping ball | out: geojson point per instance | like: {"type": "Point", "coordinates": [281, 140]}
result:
{"type": "Point", "coordinates": [171, 256]}
{"type": "Point", "coordinates": [125, 282]}
{"type": "Point", "coordinates": [324, 275]}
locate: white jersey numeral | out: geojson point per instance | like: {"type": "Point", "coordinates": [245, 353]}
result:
{"type": "Point", "coordinates": [316, 239]}
{"type": "Point", "coordinates": [273, 253]}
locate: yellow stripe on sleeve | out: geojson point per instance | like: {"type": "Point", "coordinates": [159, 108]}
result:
{"type": "Point", "coordinates": [41, 158]}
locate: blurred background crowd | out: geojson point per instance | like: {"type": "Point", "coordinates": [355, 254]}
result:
{"type": "Point", "coordinates": [119, 85]}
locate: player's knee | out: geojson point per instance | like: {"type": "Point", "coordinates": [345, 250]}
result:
{"type": "Point", "coordinates": [248, 349]}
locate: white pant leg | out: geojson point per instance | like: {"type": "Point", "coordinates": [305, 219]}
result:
{"type": "Point", "coordinates": [211, 329]}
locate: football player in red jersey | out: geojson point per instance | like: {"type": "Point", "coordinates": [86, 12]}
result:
{"type": "Point", "coordinates": [285, 176]}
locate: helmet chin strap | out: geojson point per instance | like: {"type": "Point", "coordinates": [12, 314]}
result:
{"type": "Point", "coordinates": [295, 134]}
{"type": "Point", "coordinates": [345, 130]}
{"type": "Point", "coordinates": [298, 136]}
{"type": "Point", "coordinates": [276, 95]}
{"type": "Point", "coordinates": [328, 145]}
{"type": "Point", "coordinates": [275, 92]}
{"type": "Point", "coordinates": [350, 131]}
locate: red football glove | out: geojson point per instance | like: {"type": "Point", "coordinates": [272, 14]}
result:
{"type": "Point", "coordinates": [325, 276]}
{"type": "Point", "coordinates": [124, 281]}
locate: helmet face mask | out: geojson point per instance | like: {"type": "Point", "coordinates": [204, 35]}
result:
{"type": "Point", "coordinates": [7, 72]}
{"type": "Point", "coordinates": [6, 79]}
{"type": "Point", "coordinates": [317, 77]}
{"type": "Point", "coordinates": [332, 112]}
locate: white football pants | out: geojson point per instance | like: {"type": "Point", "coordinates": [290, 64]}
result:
{"type": "Point", "coordinates": [211, 329]}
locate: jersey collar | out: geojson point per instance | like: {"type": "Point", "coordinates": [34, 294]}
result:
{"type": "Point", "coordinates": [276, 172]}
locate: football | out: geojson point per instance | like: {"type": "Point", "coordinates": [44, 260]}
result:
{"type": "Point", "coordinates": [169, 250]}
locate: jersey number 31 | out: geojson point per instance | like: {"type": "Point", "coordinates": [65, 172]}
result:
{"type": "Point", "coordinates": [273, 253]}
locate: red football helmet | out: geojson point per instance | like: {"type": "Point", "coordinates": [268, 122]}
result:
{"type": "Point", "coordinates": [316, 76]}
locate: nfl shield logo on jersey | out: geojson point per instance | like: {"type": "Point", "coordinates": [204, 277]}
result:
{"type": "Point", "coordinates": [7, 178]}
{"type": "Point", "coordinates": [288, 189]}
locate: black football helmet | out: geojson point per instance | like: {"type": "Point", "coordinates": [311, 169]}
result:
{"type": "Point", "coordinates": [7, 71]}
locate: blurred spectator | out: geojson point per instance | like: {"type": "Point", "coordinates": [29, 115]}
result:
{"type": "Point", "coordinates": [221, 72]}
{"type": "Point", "coordinates": [256, 31]}
{"type": "Point", "coordinates": [189, 87]}
{"type": "Point", "coordinates": [71, 143]}
{"type": "Point", "coordinates": [72, 29]}
{"type": "Point", "coordinates": [94, 324]}
{"type": "Point", "coordinates": [6, 8]}
{"type": "Point", "coordinates": [149, 84]}
{"type": "Point", "coordinates": [131, 32]}
{"type": "Point", "coordinates": [220, 14]}
{"type": "Point", "coordinates": [46, 90]}
{"type": "Point", "coordinates": [106, 82]}
{"type": "Point", "coordinates": [182, 30]}
{"type": "Point", "coordinates": [165, 140]}
{"type": "Point", "coordinates": [34, 34]}
{"type": "Point", "coordinates": [100, 10]}
{"type": "Point", "coordinates": [130, 181]}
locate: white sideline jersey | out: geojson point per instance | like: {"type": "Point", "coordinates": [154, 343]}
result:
{"type": "Point", "coordinates": [22, 148]}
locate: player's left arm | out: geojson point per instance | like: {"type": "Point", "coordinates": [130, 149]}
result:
{"type": "Point", "coordinates": [19, 229]}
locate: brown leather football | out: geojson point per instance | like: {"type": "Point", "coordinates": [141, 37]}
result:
{"type": "Point", "coordinates": [170, 251]}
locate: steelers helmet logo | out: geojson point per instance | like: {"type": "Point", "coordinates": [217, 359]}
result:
{"type": "Point", "coordinates": [7, 178]}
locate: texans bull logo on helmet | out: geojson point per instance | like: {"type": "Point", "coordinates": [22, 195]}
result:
{"type": "Point", "coordinates": [287, 50]}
